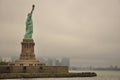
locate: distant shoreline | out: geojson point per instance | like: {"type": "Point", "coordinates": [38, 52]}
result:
{"type": "Point", "coordinates": [95, 70]}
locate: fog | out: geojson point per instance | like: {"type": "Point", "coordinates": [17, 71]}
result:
{"type": "Point", "coordinates": [86, 31]}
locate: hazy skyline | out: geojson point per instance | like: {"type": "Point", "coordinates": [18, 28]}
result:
{"type": "Point", "coordinates": [86, 31]}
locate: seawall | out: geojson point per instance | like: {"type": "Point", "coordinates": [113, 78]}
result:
{"type": "Point", "coordinates": [45, 75]}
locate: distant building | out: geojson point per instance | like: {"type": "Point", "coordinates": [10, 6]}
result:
{"type": "Point", "coordinates": [14, 58]}
{"type": "Point", "coordinates": [58, 63]}
{"type": "Point", "coordinates": [41, 59]}
{"type": "Point", "coordinates": [49, 62]}
{"type": "Point", "coordinates": [53, 62]}
{"type": "Point", "coordinates": [65, 62]}
{"type": "Point", "coordinates": [6, 59]}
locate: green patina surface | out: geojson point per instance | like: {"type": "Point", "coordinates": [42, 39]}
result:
{"type": "Point", "coordinates": [29, 26]}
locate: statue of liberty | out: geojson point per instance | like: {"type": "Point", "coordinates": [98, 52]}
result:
{"type": "Point", "coordinates": [29, 26]}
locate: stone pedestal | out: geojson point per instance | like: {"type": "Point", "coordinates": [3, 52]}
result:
{"type": "Point", "coordinates": [27, 52]}
{"type": "Point", "coordinates": [27, 56]}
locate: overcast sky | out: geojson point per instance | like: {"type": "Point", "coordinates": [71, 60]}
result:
{"type": "Point", "coordinates": [86, 31]}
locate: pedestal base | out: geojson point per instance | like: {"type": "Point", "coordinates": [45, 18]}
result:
{"type": "Point", "coordinates": [27, 63]}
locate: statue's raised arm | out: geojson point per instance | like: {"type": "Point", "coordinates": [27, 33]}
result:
{"type": "Point", "coordinates": [32, 8]}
